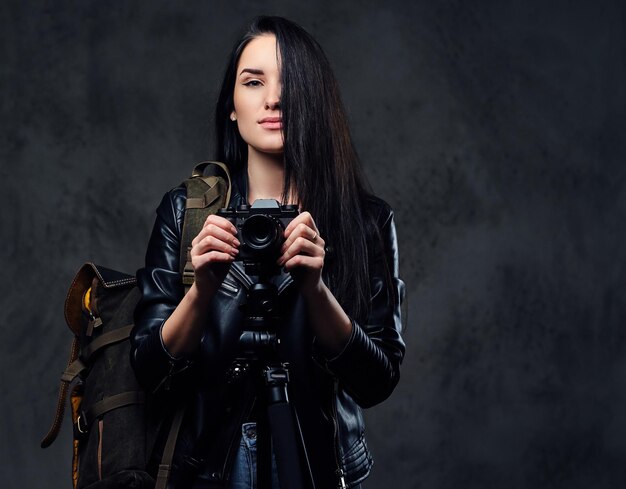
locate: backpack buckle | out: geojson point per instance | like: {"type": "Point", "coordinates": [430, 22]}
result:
{"type": "Point", "coordinates": [188, 277]}
{"type": "Point", "coordinates": [189, 273]}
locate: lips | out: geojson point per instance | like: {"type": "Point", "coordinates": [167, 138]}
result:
{"type": "Point", "coordinates": [271, 123]}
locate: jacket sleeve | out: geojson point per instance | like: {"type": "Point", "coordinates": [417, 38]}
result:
{"type": "Point", "coordinates": [368, 367]}
{"type": "Point", "coordinates": [161, 288]}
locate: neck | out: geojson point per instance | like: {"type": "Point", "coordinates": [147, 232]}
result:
{"type": "Point", "coordinates": [265, 176]}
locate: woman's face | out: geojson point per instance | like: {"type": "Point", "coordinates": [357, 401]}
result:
{"type": "Point", "coordinates": [257, 96]}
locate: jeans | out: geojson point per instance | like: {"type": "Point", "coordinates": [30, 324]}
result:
{"type": "Point", "coordinates": [243, 475]}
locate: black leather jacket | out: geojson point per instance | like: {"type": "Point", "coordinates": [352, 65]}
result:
{"type": "Point", "coordinates": [328, 394]}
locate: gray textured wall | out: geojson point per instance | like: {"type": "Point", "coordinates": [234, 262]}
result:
{"type": "Point", "coordinates": [496, 131]}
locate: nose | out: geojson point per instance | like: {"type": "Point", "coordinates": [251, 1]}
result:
{"type": "Point", "coordinates": [272, 101]}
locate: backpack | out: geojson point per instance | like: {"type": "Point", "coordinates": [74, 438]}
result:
{"type": "Point", "coordinates": [115, 424]}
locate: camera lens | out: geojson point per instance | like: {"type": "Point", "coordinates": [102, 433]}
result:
{"type": "Point", "coordinates": [260, 232]}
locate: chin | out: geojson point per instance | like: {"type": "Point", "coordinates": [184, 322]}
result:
{"type": "Point", "coordinates": [267, 145]}
{"type": "Point", "coordinates": [270, 149]}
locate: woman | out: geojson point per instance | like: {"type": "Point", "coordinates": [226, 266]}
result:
{"type": "Point", "coordinates": [282, 131]}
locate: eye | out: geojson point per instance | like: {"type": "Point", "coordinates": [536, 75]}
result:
{"type": "Point", "coordinates": [253, 83]}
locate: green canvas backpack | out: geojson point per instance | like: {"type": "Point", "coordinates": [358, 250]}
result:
{"type": "Point", "coordinates": [115, 424]}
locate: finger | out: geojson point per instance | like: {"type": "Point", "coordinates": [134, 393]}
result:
{"type": "Point", "coordinates": [303, 261]}
{"type": "Point", "coordinates": [303, 218]}
{"type": "Point", "coordinates": [218, 232]}
{"type": "Point", "coordinates": [201, 261]}
{"type": "Point", "coordinates": [303, 231]}
{"type": "Point", "coordinates": [302, 246]}
{"type": "Point", "coordinates": [220, 221]}
{"type": "Point", "coordinates": [211, 243]}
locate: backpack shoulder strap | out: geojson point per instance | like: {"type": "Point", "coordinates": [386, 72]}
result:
{"type": "Point", "coordinates": [165, 466]}
{"type": "Point", "coordinates": [205, 195]}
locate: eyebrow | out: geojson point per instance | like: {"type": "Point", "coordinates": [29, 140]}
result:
{"type": "Point", "coordinates": [253, 71]}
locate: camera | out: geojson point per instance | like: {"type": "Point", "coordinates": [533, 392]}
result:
{"type": "Point", "coordinates": [260, 230]}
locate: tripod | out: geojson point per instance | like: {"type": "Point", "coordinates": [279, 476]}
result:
{"type": "Point", "coordinates": [278, 426]}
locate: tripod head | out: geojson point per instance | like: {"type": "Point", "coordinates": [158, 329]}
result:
{"type": "Point", "coordinates": [258, 339]}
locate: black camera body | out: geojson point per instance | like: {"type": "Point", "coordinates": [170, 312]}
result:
{"type": "Point", "coordinates": [260, 230]}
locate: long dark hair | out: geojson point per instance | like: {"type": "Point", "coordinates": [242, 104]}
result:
{"type": "Point", "coordinates": [319, 157]}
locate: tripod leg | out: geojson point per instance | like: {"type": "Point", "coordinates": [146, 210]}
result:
{"type": "Point", "coordinates": [263, 454]}
{"type": "Point", "coordinates": [286, 446]}
{"type": "Point", "coordinates": [294, 470]}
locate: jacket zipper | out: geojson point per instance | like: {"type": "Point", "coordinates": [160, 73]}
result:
{"type": "Point", "coordinates": [339, 472]}
{"type": "Point", "coordinates": [230, 287]}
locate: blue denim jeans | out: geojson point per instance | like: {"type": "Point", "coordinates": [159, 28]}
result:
{"type": "Point", "coordinates": [243, 475]}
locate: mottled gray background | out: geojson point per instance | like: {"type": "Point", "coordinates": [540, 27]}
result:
{"type": "Point", "coordinates": [494, 128]}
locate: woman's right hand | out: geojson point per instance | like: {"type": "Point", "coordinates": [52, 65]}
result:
{"type": "Point", "coordinates": [212, 251]}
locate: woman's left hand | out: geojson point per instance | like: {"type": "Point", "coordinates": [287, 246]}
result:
{"type": "Point", "coordinates": [303, 253]}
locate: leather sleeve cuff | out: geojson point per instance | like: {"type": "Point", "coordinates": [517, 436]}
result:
{"type": "Point", "coordinates": [352, 351]}
{"type": "Point", "coordinates": [362, 368]}
{"type": "Point", "coordinates": [321, 358]}
{"type": "Point", "coordinates": [163, 365]}
{"type": "Point", "coordinates": [172, 358]}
